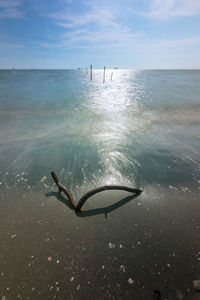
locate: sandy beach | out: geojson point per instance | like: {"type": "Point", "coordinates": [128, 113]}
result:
{"type": "Point", "coordinates": [149, 242]}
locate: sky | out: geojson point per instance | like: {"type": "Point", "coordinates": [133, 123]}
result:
{"type": "Point", "coordinates": [68, 34]}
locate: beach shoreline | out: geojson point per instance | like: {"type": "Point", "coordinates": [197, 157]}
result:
{"type": "Point", "coordinates": [49, 251]}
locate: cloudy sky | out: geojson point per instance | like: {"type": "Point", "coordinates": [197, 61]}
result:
{"type": "Point", "coordinates": [139, 34]}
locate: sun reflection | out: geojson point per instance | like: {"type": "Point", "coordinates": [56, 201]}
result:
{"type": "Point", "coordinates": [114, 96]}
{"type": "Point", "coordinates": [115, 102]}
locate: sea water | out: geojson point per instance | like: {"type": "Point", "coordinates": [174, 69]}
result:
{"type": "Point", "coordinates": [140, 128]}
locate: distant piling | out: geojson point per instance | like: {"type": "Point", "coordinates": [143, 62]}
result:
{"type": "Point", "coordinates": [104, 74]}
{"type": "Point", "coordinates": [86, 71]}
{"type": "Point", "coordinates": [111, 76]}
{"type": "Point", "coordinates": [90, 72]}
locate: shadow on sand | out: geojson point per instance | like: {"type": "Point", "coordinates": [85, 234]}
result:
{"type": "Point", "coordinates": [92, 212]}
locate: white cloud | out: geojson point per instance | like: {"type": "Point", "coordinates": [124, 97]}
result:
{"type": "Point", "coordinates": [181, 42]}
{"type": "Point", "coordinates": [69, 20]}
{"type": "Point", "coordinates": [167, 9]}
{"type": "Point", "coordinates": [97, 25]}
{"type": "Point", "coordinates": [88, 39]}
{"type": "Point", "coordinates": [103, 37]}
{"type": "Point", "coordinates": [10, 9]}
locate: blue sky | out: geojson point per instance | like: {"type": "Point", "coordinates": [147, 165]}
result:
{"type": "Point", "coordinates": [141, 34]}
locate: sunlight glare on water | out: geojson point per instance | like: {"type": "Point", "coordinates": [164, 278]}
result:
{"type": "Point", "coordinates": [115, 102]}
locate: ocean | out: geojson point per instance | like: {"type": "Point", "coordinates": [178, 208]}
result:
{"type": "Point", "coordinates": [142, 128]}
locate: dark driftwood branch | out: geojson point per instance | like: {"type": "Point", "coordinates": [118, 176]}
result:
{"type": "Point", "coordinates": [63, 189]}
{"type": "Point", "coordinates": [78, 206]}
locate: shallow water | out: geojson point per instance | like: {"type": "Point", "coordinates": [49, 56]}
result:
{"type": "Point", "coordinates": [142, 128]}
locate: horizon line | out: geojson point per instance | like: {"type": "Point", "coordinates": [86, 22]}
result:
{"type": "Point", "coordinates": [83, 69]}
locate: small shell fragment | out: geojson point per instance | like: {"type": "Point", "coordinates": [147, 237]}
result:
{"type": "Point", "coordinates": [130, 281]}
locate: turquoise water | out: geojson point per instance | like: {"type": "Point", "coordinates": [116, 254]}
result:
{"type": "Point", "coordinates": [140, 128]}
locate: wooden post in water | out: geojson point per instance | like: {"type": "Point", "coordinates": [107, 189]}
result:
{"type": "Point", "coordinates": [111, 76]}
{"type": "Point", "coordinates": [104, 74]}
{"type": "Point", "coordinates": [90, 72]}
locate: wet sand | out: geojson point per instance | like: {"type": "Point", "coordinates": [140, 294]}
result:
{"type": "Point", "coordinates": [124, 251]}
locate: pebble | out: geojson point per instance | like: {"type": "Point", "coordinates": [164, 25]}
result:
{"type": "Point", "coordinates": [122, 268]}
{"type": "Point", "coordinates": [111, 245]}
{"type": "Point", "coordinates": [196, 284]}
{"type": "Point", "coordinates": [130, 281]}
